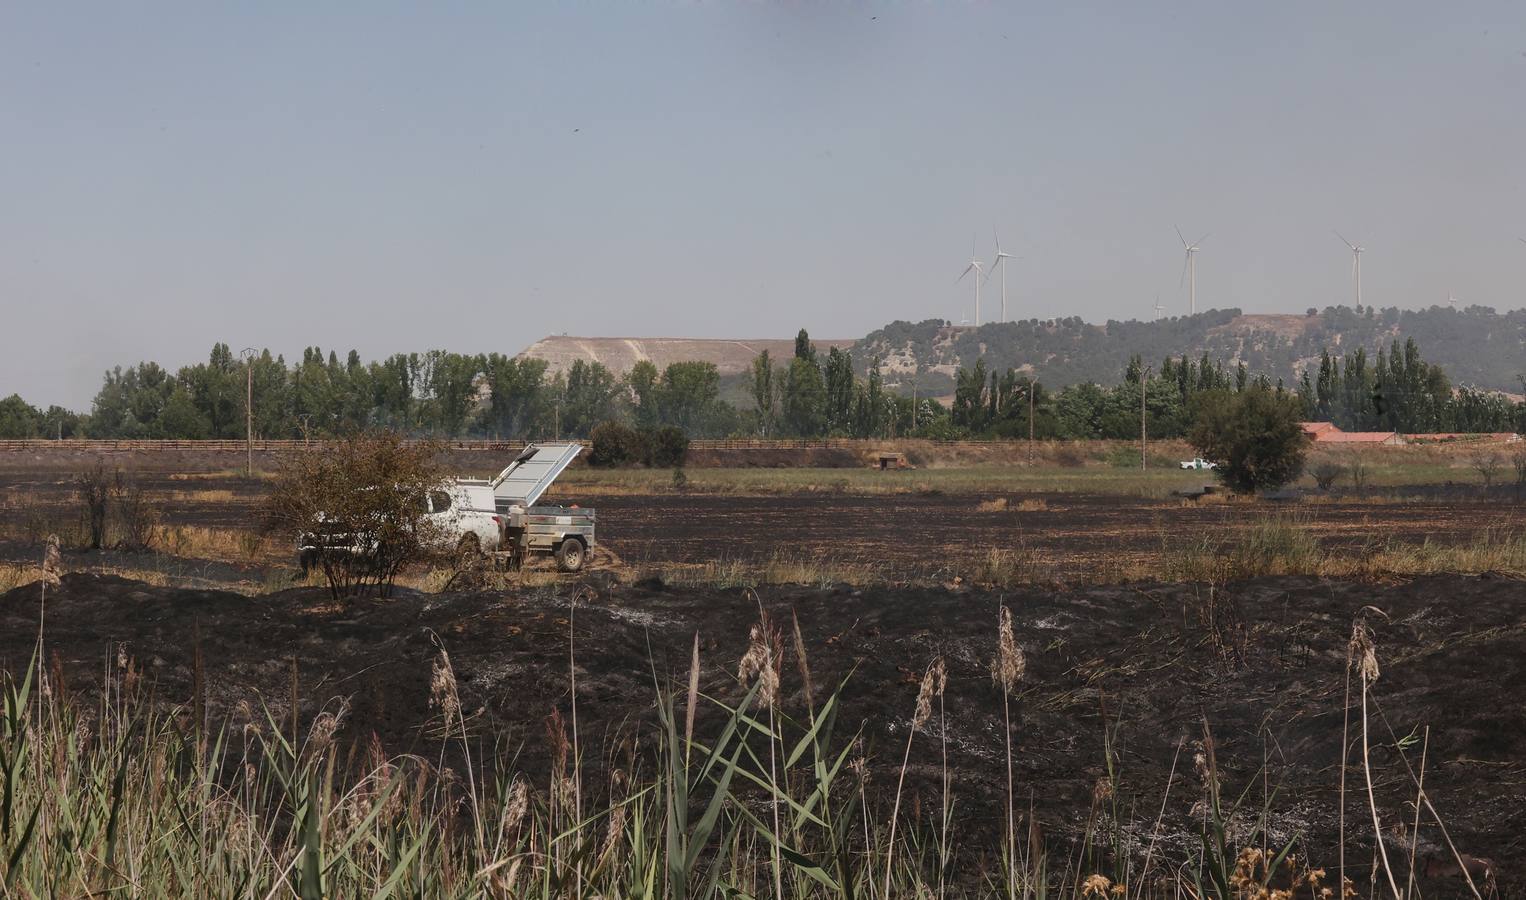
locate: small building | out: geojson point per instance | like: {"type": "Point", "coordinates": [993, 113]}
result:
{"type": "Point", "coordinates": [885, 461]}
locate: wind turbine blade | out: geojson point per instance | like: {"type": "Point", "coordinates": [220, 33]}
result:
{"type": "Point", "coordinates": [1344, 241]}
{"type": "Point", "coordinates": [1201, 239]}
{"type": "Point", "coordinates": [964, 273]}
{"type": "Point", "coordinates": [1180, 237]}
{"type": "Point", "coordinates": [1185, 260]}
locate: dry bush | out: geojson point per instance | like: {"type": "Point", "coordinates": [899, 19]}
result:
{"type": "Point", "coordinates": [1359, 469]}
{"type": "Point", "coordinates": [1221, 616]}
{"type": "Point", "coordinates": [1004, 568]}
{"type": "Point", "coordinates": [1326, 473]}
{"type": "Point", "coordinates": [1487, 464]}
{"type": "Point", "coordinates": [111, 505]}
{"type": "Point", "coordinates": [1518, 461]}
{"type": "Point", "coordinates": [93, 489]}
{"type": "Point", "coordinates": [1033, 505]}
{"type": "Point", "coordinates": [137, 521]}
{"type": "Point", "coordinates": [996, 504]}
{"type": "Point", "coordinates": [361, 504]}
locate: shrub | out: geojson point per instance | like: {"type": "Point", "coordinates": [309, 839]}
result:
{"type": "Point", "coordinates": [668, 447]}
{"type": "Point", "coordinates": [137, 521]}
{"type": "Point", "coordinates": [1487, 465]}
{"type": "Point", "coordinates": [361, 503]}
{"type": "Point", "coordinates": [616, 444]}
{"type": "Point", "coordinates": [93, 488]}
{"type": "Point", "coordinates": [1327, 473]}
{"type": "Point", "coordinates": [1254, 435]}
{"type": "Point", "coordinates": [1360, 471]}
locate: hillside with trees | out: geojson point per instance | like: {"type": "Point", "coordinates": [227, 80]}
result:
{"type": "Point", "coordinates": [1477, 346]}
{"type": "Point", "coordinates": [1088, 382]}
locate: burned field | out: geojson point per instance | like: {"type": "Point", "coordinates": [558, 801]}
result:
{"type": "Point", "coordinates": [1146, 672]}
{"type": "Point", "coordinates": [921, 533]}
{"type": "Point", "coordinates": [1146, 679]}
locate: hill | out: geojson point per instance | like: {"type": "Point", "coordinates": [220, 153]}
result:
{"type": "Point", "coordinates": [731, 357]}
{"type": "Point", "coordinates": [1476, 346]}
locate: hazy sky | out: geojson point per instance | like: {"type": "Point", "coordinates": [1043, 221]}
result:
{"type": "Point", "coordinates": [476, 176]}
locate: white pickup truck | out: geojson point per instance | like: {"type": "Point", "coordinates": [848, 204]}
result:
{"type": "Point", "coordinates": [462, 511]}
{"type": "Point", "coordinates": [499, 517]}
{"type": "Point", "coordinates": [1199, 463]}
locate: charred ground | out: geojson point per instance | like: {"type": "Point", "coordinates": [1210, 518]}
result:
{"type": "Point", "coordinates": [1269, 683]}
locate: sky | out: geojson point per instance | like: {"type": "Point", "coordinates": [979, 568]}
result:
{"type": "Point", "coordinates": [474, 177]}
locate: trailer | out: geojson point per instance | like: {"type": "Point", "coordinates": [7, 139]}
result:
{"type": "Point", "coordinates": [566, 532]}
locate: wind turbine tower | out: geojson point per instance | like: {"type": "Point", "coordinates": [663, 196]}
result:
{"type": "Point", "coordinates": [1158, 307]}
{"type": "Point", "coordinates": [1189, 268]}
{"type": "Point", "coordinates": [974, 266]}
{"type": "Point", "coordinates": [1356, 265]}
{"type": "Point", "coordinates": [1001, 260]}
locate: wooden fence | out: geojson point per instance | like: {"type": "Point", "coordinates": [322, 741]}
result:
{"type": "Point", "coordinates": [32, 445]}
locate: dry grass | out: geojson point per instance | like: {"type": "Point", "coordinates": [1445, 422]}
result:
{"type": "Point", "coordinates": [204, 495]}
{"type": "Point", "coordinates": [225, 544]}
{"type": "Point", "coordinates": [1154, 483]}
{"type": "Point", "coordinates": [1285, 545]}
{"type": "Point", "coordinates": [13, 576]}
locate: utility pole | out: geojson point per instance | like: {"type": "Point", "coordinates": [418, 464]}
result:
{"type": "Point", "coordinates": [916, 373]}
{"type": "Point", "coordinates": [1032, 385]}
{"type": "Point", "coordinates": [1144, 438]}
{"type": "Point", "coordinates": [248, 355]}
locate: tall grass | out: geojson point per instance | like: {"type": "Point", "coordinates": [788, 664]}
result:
{"type": "Point", "coordinates": [129, 797]}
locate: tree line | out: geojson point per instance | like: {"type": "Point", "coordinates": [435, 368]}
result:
{"type": "Point", "coordinates": [809, 395]}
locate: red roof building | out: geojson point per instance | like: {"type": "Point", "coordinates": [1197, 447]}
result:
{"type": "Point", "coordinates": [1327, 433]}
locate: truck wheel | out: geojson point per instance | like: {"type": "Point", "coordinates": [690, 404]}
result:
{"type": "Point", "coordinates": [570, 555]}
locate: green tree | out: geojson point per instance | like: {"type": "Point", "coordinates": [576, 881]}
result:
{"type": "Point", "coordinates": [645, 389]}
{"type": "Point", "coordinates": [181, 417]}
{"type": "Point", "coordinates": [592, 396]}
{"type": "Point", "coordinates": [689, 392]}
{"type": "Point", "coordinates": [839, 384]}
{"type": "Point", "coordinates": [805, 399]}
{"type": "Point", "coordinates": [762, 389]}
{"type": "Point", "coordinates": [18, 419]}
{"type": "Point", "coordinates": [519, 402]}
{"type": "Point", "coordinates": [1254, 435]}
{"type": "Point", "coordinates": [804, 349]}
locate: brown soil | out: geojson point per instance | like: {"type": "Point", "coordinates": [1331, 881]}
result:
{"type": "Point", "coordinates": [1452, 650]}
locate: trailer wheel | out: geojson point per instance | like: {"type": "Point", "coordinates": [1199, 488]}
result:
{"type": "Point", "coordinates": [469, 548]}
{"type": "Point", "coordinates": [570, 555]}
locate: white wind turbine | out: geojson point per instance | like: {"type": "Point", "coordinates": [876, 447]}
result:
{"type": "Point", "coordinates": [1356, 265]}
{"type": "Point", "coordinates": [975, 267]}
{"type": "Point", "coordinates": [1158, 307]}
{"type": "Point", "coordinates": [1189, 268]}
{"type": "Point", "coordinates": [1451, 300]}
{"type": "Point", "coordinates": [1001, 260]}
